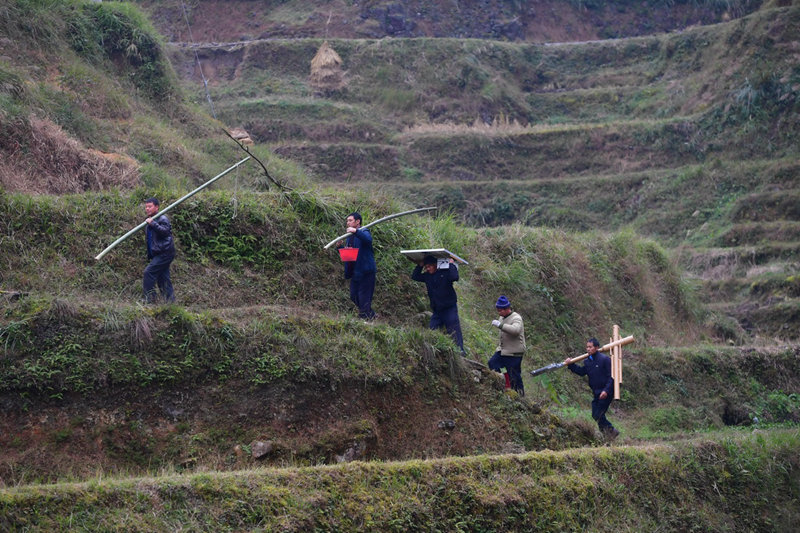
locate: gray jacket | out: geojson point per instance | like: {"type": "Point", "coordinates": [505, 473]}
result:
{"type": "Point", "coordinates": [512, 335]}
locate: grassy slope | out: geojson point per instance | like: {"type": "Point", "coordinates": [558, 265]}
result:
{"type": "Point", "coordinates": [74, 349]}
{"type": "Point", "coordinates": [686, 137]}
{"type": "Point", "coordinates": [261, 328]}
{"type": "Point", "coordinates": [88, 101]}
{"type": "Point", "coordinates": [659, 102]}
{"type": "Point", "coordinates": [740, 483]}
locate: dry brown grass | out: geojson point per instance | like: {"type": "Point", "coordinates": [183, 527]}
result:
{"type": "Point", "coordinates": [326, 69]}
{"type": "Point", "coordinates": [501, 125]}
{"type": "Point", "coordinates": [39, 157]}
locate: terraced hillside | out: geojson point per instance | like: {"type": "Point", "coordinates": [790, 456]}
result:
{"type": "Point", "coordinates": [577, 179]}
{"type": "Point", "coordinates": [687, 137]}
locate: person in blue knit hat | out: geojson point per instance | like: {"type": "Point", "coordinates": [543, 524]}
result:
{"type": "Point", "coordinates": [512, 344]}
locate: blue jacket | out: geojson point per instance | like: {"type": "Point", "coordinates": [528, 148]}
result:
{"type": "Point", "coordinates": [440, 286]}
{"type": "Point", "coordinates": [598, 368]}
{"type": "Point", "coordinates": [158, 235]}
{"type": "Point", "coordinates": [365, 263]}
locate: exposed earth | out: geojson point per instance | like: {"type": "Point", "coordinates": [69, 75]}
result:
{"type": "Point", "coordinates": [542, 21]}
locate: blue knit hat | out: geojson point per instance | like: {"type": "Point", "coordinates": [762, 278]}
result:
{"type": "Point", "coordinates": [502, 303]}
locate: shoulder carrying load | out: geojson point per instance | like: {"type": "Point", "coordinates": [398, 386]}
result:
{"type": "Point", "coordinates": [442, 256]}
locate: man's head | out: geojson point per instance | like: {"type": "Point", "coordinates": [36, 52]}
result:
{"type": "Point", "coordinates": [353, 220]}
{"type": "Point", "coordinates": [151, 206]}
{"type": "Point", "coordinates": [592, 345]}
{"type": "Point", "coordinates": [503, 306]}
{"type": "Point", "coordinates": [429, 264]}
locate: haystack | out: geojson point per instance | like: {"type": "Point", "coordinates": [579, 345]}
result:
{"type": "Point", "coordinates": [326, 70]}
{"type": "Point", "coordinates": [241, 135]}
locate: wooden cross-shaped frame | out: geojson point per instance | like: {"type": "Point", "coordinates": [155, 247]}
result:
{"type": "Point", "coordinates": [616, 361]}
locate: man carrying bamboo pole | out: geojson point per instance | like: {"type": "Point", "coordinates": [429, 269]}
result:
{"type": "Point", "coordinates": [160, 252]}
{"type": "Point", "coordinates": [597, 366]}
{"type": "Point", "coordinates": [360, 272]}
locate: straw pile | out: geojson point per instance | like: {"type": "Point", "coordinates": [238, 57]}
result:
{"type": "Point", "coordinates": [241, 135]}
{"type": "Point", "coordinates": [37, 156]}
{"type": "Point", "coordinates": [326, 70]}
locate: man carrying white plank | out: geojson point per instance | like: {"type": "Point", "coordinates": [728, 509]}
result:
{"type": "Point", "coordinates": [442, 295]}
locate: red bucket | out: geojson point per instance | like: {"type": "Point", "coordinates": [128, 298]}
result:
{"type": "Point", "coordinates": [348, 254]}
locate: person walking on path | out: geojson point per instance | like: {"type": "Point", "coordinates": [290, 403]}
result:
{"type": "Point", "coordinates": [512, 344]}
{"type": "Point", "coordinates": [597, 366]}
{"type": "Point", "coordinates": [160, 253]}
{"type": "Point", "coordinates": [442, 295]}
{"type": "Point", "coordinates": [360, 272]}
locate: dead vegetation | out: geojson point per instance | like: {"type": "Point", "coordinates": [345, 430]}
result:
{"type": "Point", "coordinates": [499, 125]}
{"type": "Point", "coordinates": [326, 70]}
{"type": "Point", "coordinates": [40, 157]}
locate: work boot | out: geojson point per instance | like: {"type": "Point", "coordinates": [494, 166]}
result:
{"type": "Point", "coordinates": [611, 433]}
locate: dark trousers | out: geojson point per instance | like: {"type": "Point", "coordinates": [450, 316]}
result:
{"type": "Point", "coordinates": [157, 273]}
{"type": "Point", "coordinates": [361, 294]}
{"type": "Point", "coordinates": [448, 318]}
{"type": "Point", "coordinates": [514, 367]}
{"type": "Point", "coordinates": [599, 408]}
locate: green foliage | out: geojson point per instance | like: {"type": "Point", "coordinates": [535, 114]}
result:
{"type": "Point", "coordinates": [400, 100]}
{"type": "Point", "coordinates": [215, 235]}
{"type": "Point", "coordinates": [696, 484]}
{"type": "Point", "coordinates": [774, 406]}
{"type": "Point", "coordinates": [124, 36]}
{"type": "Point", "coordinates": [671, 419]}
{"type": "Point", "coordinates": [116, 33]}
{"type": "Point", "coordinates": [97, 91]}
{"type": "Point", "coordinates": [766, 95]}
{"type": "Point", "coordinates": [65, 110]}
{"type": "Point", "coordinates": [50, 354]}
{"type": "Point", "coordinates": [38, 21]}
{"type": "Point", "coordinates": [11, 84]}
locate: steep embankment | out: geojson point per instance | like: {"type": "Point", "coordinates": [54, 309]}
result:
{"type": "Point", "coordinates": [746, 483]}
{"type": "Point", "coordinates": [89, 102]}
{"type": "Point", "coordinates": [263, 339]}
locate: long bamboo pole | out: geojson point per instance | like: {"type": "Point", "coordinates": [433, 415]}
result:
{"type": "Point", "coordinates": [163, 211]}
{"type": "Point", "coordinates": [555, 366]}
{"type": "Point", "coordinates": [384, 219]}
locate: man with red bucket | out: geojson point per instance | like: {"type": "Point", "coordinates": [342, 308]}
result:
{"type": "Point", "coordinates": [361, 269]}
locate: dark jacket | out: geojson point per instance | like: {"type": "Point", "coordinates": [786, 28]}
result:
{"type": "Point", "coordinates": [365, 263]}
{"type": "Point", "coordinates": [598, 368]}
{"type": "Point", "coordinates": [440, 286]}
{"type": "Point", "coordinates": [159, 237]}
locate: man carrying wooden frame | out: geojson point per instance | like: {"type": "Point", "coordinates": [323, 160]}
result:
{"type": "Point", "coordinates": [597, 366]}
